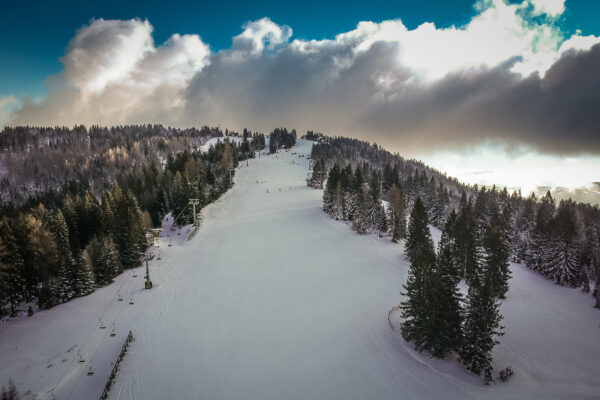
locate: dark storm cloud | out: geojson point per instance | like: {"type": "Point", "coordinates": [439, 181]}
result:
{"type": "Point", "coordinates": [558, 113]}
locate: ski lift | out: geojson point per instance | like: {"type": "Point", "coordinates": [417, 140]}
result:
{"type": "Point", "coordinates": [102, 326]}
{"type": "Point", "coordinates": [90, 370]}
{"type": "Point", "coordinates": [155, 232]}
{"type": "Point", "coordinates": [81, 360]}
{"type": "Point", "coordinates": [113, 334]}
{"type": "Point", "coordinates": [131, 300]}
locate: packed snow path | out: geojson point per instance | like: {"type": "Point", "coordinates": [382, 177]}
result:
{"type": "Point", "coordinates": [274, 300]}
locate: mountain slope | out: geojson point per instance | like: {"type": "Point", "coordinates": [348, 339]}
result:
{"type": "Point", "coordinates": [274, 300]}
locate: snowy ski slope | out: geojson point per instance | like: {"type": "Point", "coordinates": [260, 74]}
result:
{"type": "Point", "coordinates": [272, 299]}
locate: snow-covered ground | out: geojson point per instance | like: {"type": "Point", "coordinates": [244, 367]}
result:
{"type": "Point", "coordinates": [272, 299]}
{"type": "Point", "coordinates": [213, 141]}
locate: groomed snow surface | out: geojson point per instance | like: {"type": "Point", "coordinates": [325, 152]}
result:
{"type": "Point", "coordinates": [272, 299]}
{"type": "Point", "coordinates": [213, 142]}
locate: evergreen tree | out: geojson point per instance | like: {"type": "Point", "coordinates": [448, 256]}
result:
{"type": "Point", "coordinates": [417, 307]}
{"type": "Point", "coordinates": [319, 174]}
{"type": "Point", "coordinates": [83, 279]}
{"type": "Point", "coordinates": [467, 243]}
{"type": "Point", "coordinates": [360, 222]}
{"type": "Point", "coordinates": [38, 251]}
{"type": "Point", "coordinates": [448, 249]}
{"type": "Point", "coordinates": [419, 245]}
{"type": "Point", "coordinates": [377, 216]}
{"type": "Point", "coordinates": [397, 213]}
{"type": "Point", "coordinates": [9, 393]}
{"type": "Point", "coordinates": [66, 267]}
{"type": "Point", "coordinates": [180, 199]}
{"type": "Point", "coordinates": [330, 188]}
{"type": "Point", "coordinates": [105, 259]}
{"type": "Point", "coordinates": [561, 260]}
{"type": "Point", "coordinates": [440, 206]}
{"type": "Point", "coordinates": [524, 226]}
{"type": "Point", "coordinates": [338, 201]}
{"type": "Point", "coordinates": [496, 255]}
{"type": "Point", "coordinates": [11, 267]}
{"type": "Point", "coordinates": [540, 238]}
{"type": "Point", "coordinates": [481, 326]}
{"type": "Point", "coordinates": [444, 320]}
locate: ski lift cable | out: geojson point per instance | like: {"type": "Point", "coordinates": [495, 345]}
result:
{"type": "Point", "coordinates": [97, 348]}
{"type": "Point", "coordinates": [104, 338]}
{"type": "Point", "coordinates": [86, 340]}
{"type": "Point", "coordinates": [179, 215]}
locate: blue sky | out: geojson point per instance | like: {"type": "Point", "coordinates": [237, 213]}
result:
{"type": "Point", "coordinates": [34, 36]}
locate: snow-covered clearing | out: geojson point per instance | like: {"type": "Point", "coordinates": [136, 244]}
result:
{"type": "Point", "coordinates": [272, 299]}
{"type": "Point", "coordinates": [213, 142]}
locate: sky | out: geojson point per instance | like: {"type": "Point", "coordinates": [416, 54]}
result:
{"type": "Point", "coordinates": [481, 89]}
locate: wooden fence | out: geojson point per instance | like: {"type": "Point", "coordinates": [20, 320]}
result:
{"type": "Point", "coordinates": [113, 373]}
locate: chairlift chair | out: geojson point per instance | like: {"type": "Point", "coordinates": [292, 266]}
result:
{"type": "Point", "coordinates": [90, 370]}
{"type": "Point", "coordinates": [80, 360]}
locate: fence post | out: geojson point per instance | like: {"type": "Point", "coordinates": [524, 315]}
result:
{"type": "Point", "coordinates": [113, 373]}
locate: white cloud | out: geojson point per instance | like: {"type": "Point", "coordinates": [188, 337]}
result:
{"type": "Point", "coordinates": [551, 8]}
{"type": "Point", "coordinates": [396, 85]}
{"type": "Point", "coordinates": [7, 105]}
{"type": "Point", "coordinates": [114, 73]}
{"type": "Point", "coordinates": [258, 36]}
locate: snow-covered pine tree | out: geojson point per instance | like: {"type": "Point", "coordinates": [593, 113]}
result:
{"type": "Point", "coordinates": [90, 217]}
{"type": "Point", "coordinates": [467, 242]}
{"type": "Point", "coordinates": [496, 254]}
{"type": "Point", "coordinates": [448, 250]}
{"type": "Point", "coordinates": [318, 175]}
{"type": "Point", "coordinates": [377, 216]}
{"type": "Point", "coordinates": [594, 239]}
{"type": "Point", "coordinates": [338, 201]}
{"type": "Point", "coordinates": [397, 213]}
{"type": "Point", "coordinates": [180, 199]}
{"type": "Point", "coordinates": [562, 256]}
{"type": "Point", "coordinates": [105, 259]}
{"type": "Point", "coordinates": [360, 222]}
{"type": "Point", "coordinates": [440, 206]}
{"type": "Point", "coordinates": [541, 233]}
{"type": "Point", "coordinates": [481, 214]}
{"type": "Point", "coordinates": [444, 320]}
{"type": "Point", "coordinates": [83, 280]}
{"type": "Point", "coordinates": [419, 245]}
{"type": "Point", "coordinates": [65, 263]}
{"type": "Point", "coordinates": [349, 195]}
{"type": "Point", "coordinates": [481, 325]}
{"type": "Point", "coordinates": [416, 308]}
{"type": "Point", "coordinates": [330, 187]}
{"type": "Point", "coordinates": [69, 210]}
{"type": "Point", "coordinates": [524, 229]}
{"type": "Point", "coordinates": [352, 194]}
{"type": "Point", "coordinates": [36, 245]}
{"type": "Point", "coordinates": [11, 267]}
